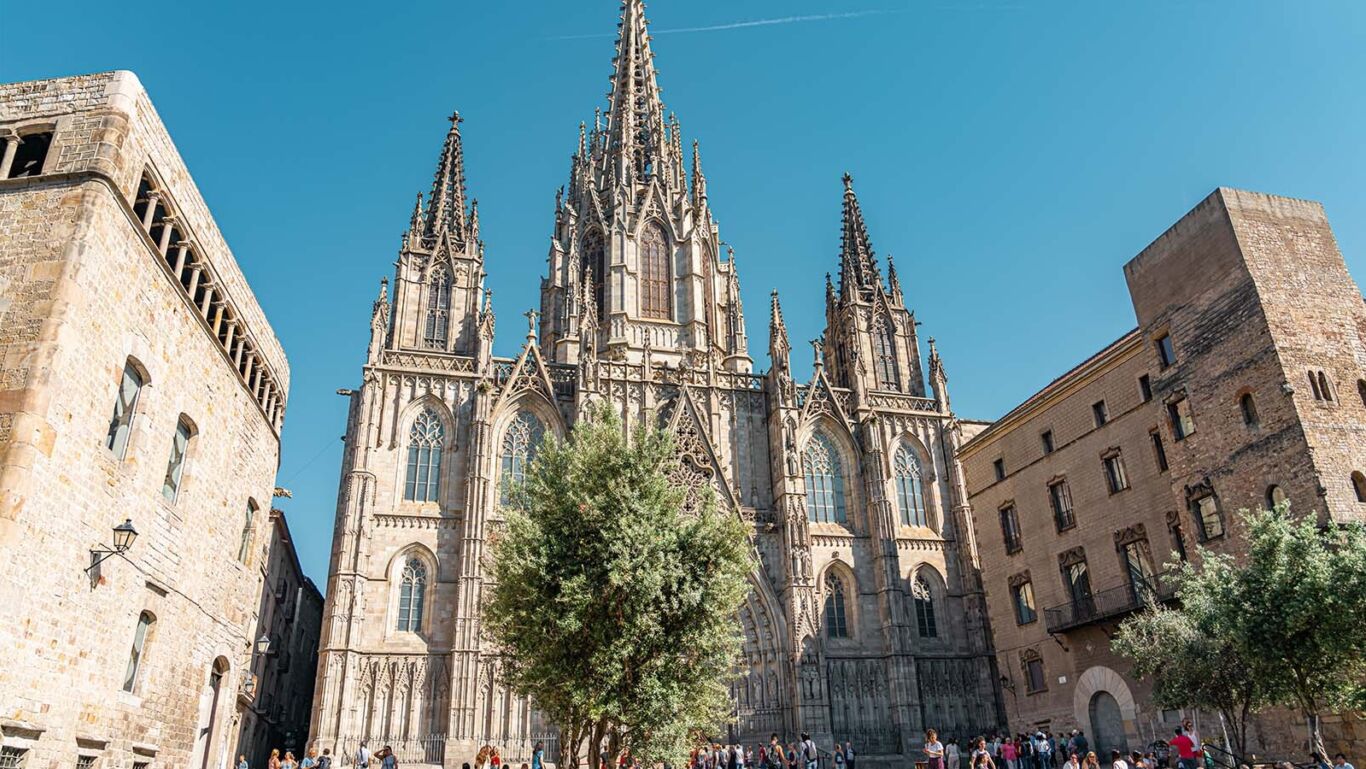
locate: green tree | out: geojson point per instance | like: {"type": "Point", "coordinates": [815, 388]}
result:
{"type": "Point", "coordinates": [1280, 624]}
{"type": "Point", "coordinates": [614, 608]}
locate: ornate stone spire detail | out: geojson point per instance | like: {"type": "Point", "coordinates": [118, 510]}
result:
{"type": "Point", "coordinates": [379, 321]}
{"type": "Point", "coordinates": [636, 138]}
{"type": "Point", "coordinates": [699, 180]}
{"type": "Point", "coordinates": [893, 282]}
{"type": "Point", "coordinates": [779, 348]}
{"type": "Point", "coordinates": [446, 204]}
{"type": "Point", "coordinates": [939, 379]}
{"type": "Point", "coordinates": [858, 270]}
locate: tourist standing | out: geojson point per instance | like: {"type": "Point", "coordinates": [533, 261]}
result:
{"type": "Point", "coordinates": [849, 754]}
{"type": "Point", "coordinates": [538, 756]}
{"type": "Point", "coordinates": [934, 750]}
{"type": "Point", "coordinates": [1091, 761]}
{"type": "Point", "coordinates": [1340, 762]}
{"type": "Point", "coordinates": [242, 763]}
{"type": "Point", "coordinates": [981, 759]}
{"type": "Point", "coordinates": [1010, 753]}
{"type": "Point", "coordinates": [809, 754]}
{"type": "Point", "coordinates": [1072, 762]}
{"type": "Point", "coordinates": [838, 756]}
{"type": "Point", "coordinates": [951, 755]}
{"type": "Point", "coordinates": [274, 761]}
{"type": "Point", "coordinates": [390, 761]}
{"type": "Point", "coordinates": [1117, 760]}
{"type": "Point", "coordinates": [289, 762]}
{"type": "Point", "coordinates": [325, 760]}
{"type": "Point", "coordinates": [1185, 750]}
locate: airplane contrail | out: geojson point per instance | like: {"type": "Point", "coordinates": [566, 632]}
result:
{"type": "Point", "coordinates": [744, 24]}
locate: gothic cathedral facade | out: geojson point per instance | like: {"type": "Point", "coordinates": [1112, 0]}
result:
{"type": "Point", "coordinates": [866, 621]}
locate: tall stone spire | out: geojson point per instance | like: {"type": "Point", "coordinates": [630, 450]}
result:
{"type": "Point", "coordinates": [699, 180]}
{"type": "Point", "coordinates": [446, 205]}
{"type": "Point", "coordinates": [637, 145]}
{"type": "Point", "coordinates": [858, 270]}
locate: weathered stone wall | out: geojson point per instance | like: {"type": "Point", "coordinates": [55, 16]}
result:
{"type": "Point", "coordinates": [83, 291]}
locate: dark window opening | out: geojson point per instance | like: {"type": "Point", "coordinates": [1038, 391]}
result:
{"type": "Point", "coordinates": [1060, 497]}
{"type": "Point", "coordinates": [1145, 387]}
{"type": "Point", "coordinates": [1166, 354]}
{"type": "Point", "coordinates": [30, 155]}
{"type": "Point", "coordinates": [1249, 409]}
{"type": "Point", "coordinates": [999, 466]}
{"type": "Point", "coordinates": [1159, 451]}
{"type": "Point", "coordinates": [1010, 529]}
{"type": "Point", "coordinates": [1047, 439]}
{"type": "Point", "coordinates": [1183, 422]}
{"type": "Point", "coordinates": [1359, 485]}
{"type": "Point", "coordinates": [1115, 478]}
{"type": "Point", "coordinates": [1101, 414]}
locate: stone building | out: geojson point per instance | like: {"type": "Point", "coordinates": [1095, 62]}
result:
{"type": "Point", "coordinates": [283, 671]}
{"type": "Point", "coordinates": [140, 380]}
{"type": "Point", "coordinates": [1244, 384]}
{"type": "Point", "coordinates": [866, 620]}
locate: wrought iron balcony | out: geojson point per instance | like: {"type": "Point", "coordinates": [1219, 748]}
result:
{"type": "Point", "coordinates": [1109, 604]}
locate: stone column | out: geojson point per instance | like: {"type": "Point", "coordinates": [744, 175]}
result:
{"type": "Point", "coordinates": [7, 161]}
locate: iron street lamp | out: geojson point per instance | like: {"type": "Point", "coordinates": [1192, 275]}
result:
{"type": "Point", "coordinates": [263, 645]}
{"type": "Point", "coordinates": [124, 536]}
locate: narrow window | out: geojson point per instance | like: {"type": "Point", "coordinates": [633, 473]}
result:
{"type": "Point", "coordinates": [999, 466]}
{"type": "Point", "coordinates": [887, 375]}
{"type": "Point", "coordinates": [411, 595]}
{"type": "Point", "coordinates": [30, 155]}
{"type": "Point", "coordinates": [595, 266]}
{"type": "Point", "coordinates": [520, 444]}
{"type": "Point", "coordinates": [423, 482]}
{"type": "Point", "coordinates": [1010, 529]}
{"type": "Point", "coordinates": [910, 487]}
{"type": "Point", "coordinates": [824, 481]}
{"type": "Point", "coordinates": [1159, 451]}
{"type": "Point", "coordinates": [130, 677]}
{"type": "Point", "coordinates": [1249, 409]}
{"type": "Point", "coordinates": [1274, 497]}
{"type": "Point", "coordinates": [436, 332]}
{"type": "Point", "coordinates": [654, 273]}
{"type": "Point", "coordinates": [121, 424]}
{"type": "Point", "coordinates": [1326, 387]}
{"type": "Point", "coordinates": [244, 545]}
{"type": "Point", "coordinates": [1359, 485]}
{"type": "Point", "coordinates": [835, 623]}
{"type": "Point", "coordinates": [1100, 413]}
{"type": "Point", "coordinates": [1060, 497]}
{"type": "Point", "coordinates": [1314, 386]}
{"type": "Point", "coordinates": [1208, 516]}
{"type": "Point", "coordinates": [924, 608]}
{"type": "Point", "coordinates": [1361, 390]}
{"type": "Point", "coordinates": [1177, 535]}
{"type": "Point", "coordinates": [1077, 579]}
{"type": "Point", "coordinates": [175, 466]}
{"type": "Point", "coordinates": [1139, 568]}
{"type": "Point", "coordinates": [1033, 668]}
{"type": "Point", "coordinates": [1047, 439]}
{"type": "Point", "coordinates": [1115, 479]}
{"type": "Point", "coordinates": [1183, 422]}
{"type": "Point", "coordinates": [1145, 388]}
{"type": "Point", "coordinates": [1023, 595]}
{"type": "Point", "coordinates": [1166, 354]}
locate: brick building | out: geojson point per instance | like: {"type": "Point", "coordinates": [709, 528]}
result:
{"type": "Point", "coordinates": [1243, 384]}
{"type": "Point", "coordinates": [139, 379]}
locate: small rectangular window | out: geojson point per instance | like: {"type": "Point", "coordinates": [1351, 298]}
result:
{"type": "Point", "coordinates": [1145, 388]}
{"type": "Point", "coordinates": [12, 757]}
{"type": "Point", "coordinates": [1010, 529]}
{"type": "Point", "coordinates": [1061, 499]}
{"type": "Point", "coordinates": [1159, 451]}
{"type": "Point", "coordinates": [1101, 414]}
{"type": "Point", "coordinates": [999, 466]}
{"type": "Point", "coordinates": [1183, 422]}
{"type": "Point", "coordinates": [1025, 612]}
{"type": "Point", "coordinates": [1209, 517]}
{"type": "Point", "coordinates": [1166, 354]}
{"type": "Point", "coordinates": [85, 762]}
{"type": "Point", "coordinates": [1115, 479]}
{"type": "Point", "coordinates": [1034, 676]}
{"type": "Point", "coordinates": [1047, 439]}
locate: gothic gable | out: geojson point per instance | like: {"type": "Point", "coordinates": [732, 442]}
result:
{"type": "Point", "coordinates": [698, 463]}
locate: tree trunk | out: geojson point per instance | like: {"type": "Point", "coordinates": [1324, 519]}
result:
{"type": "Point", "coordinates": [1315, 735]}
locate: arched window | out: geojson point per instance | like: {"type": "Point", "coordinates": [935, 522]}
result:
{"type": "Point", "coordinates": [130, 676]}
{"type": "Point", "coordinates": [1359, 485]}
{"type": "Point", "coordinates": [595, 261]}
{"type": "Point", "coordinates": [412, 593]}
{"type": "Point", "coordinates": [520, 443]}
{"type": "Point", "coordinates": [125, 405]}
{"type": "Point", "coordinates": [836, 623]}
{"type": "Point", "coordinates": [1249, 409]}
{"type": "Point", "coordinates": [885, 352]}
{"type": "Point", "coordinates": [423, 482]}
{"type": "Point", "coordinates": [924, 608]}
{"type": "Point", "coordinates": [175, 466]}
{"type": "Point", "coordinates": [654, 273]}
{"type": "Point", "coordinates": [824, 481]}
{"type": "Point", "coordinates": [438, 326]}
{"type": "Point", "coordinates": [244, 547]}
{"type": "Point", "coordinates": [1274, 496]}
{"type": "Point", "coordinates": [910, 487]}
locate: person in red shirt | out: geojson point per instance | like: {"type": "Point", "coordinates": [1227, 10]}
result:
{"type": "Point", "coordinates": [1185, 750]}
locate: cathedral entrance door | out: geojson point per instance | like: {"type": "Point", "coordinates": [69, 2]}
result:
{"type": "Point", "coordinates": [1107, 725]}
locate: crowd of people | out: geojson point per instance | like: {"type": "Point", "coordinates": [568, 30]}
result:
{"type": "Point", "coordinates": [777, 754]}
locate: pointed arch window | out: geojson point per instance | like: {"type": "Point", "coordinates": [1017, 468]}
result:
{"type": "Point", "coordinates": [910, 487]}
{"type": "Point", "coordinates": [436, 332]}
{"type": "Point", "coordinates": [595, 263]}
{"type": "Point", "coordinates": [130, 676]}
{"type": "Point", "coordinates": [244, 545]}
{"type": "Point", "coordinates": [412, 595]}
{"type": "Point", "coordinates": [125, 406]}
{"type": "Point", "coordinates": [520, 443]}
{"type": "Point", "coordinates": [425, 439]}
{"type": "Point", "coordinates": [836, 622]}
{"type": "Point", "coordinates": [888, 377]}
{"type": "Point", "coordinates": [924, 607]}
{"type": "Point", "coordinates": [175, 466]}
{"type": "Point", "coordinates": [654, 273]}
{"type": "Point", "coordinates": [824, 482]}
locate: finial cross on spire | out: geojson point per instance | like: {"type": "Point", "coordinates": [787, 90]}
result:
{"type": "Point", "coordinates": [455, 118]}
{"type": "Point", "coordinates": [848, 179]}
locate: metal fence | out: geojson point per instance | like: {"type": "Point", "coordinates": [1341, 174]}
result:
{"type": "Point", "coordinates": [432, 750]}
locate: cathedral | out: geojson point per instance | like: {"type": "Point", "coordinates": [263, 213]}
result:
{"type": "Point", "coordinates": [866, 619]}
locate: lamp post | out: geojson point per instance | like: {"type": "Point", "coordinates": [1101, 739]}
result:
{"type": "Point", "coordinates": [124, 536]}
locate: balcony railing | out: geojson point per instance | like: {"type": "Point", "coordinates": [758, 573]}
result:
{"type": "Point", "coordinates": [1110, 604]}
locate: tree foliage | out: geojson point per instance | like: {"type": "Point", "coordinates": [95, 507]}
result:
{"type": "Point", "coordinates": [1280, 624]}
{"type": "Point", "coordinates": [612, 607]}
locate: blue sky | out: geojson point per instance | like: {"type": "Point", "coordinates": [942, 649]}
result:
{"type": "Point", "coordinates": [1012, 154]}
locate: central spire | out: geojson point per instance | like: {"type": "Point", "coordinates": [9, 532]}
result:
{"type": "Point", "coordinates": [446, 206]}
{"type": "Point", "coordinates": [858, 269]}
{"type": "Point", "coordinates": [637, 144]}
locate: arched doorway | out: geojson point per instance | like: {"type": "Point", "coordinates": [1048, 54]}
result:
{"type": "Point", "coordinates": [1107, 725]}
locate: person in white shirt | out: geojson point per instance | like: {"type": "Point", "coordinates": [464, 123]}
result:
{"type": "Point", "coordinates": [951, 755]}
{"type": "Point", "coordinates": [1072, 762]}
{"type": "Point", "coordinates": [934, 750]}
{"type": "Point", "coordinates": [362, 756]}
{"type": "Point", "coordinates": [1117, 760]}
